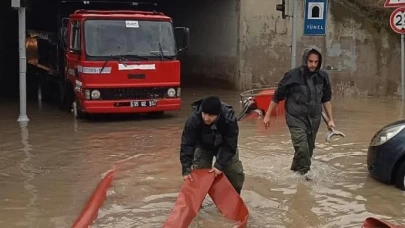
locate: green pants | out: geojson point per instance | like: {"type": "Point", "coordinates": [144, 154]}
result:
{"type": "Point", "coordinates": [304, 145]}
{"type": "Point", "coordinates": [203, 159]}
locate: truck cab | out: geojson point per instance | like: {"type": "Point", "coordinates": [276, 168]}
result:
{"type": "Point", "coordinates": [105, 57]}
{"type": "Point", "coordinates": [122, 61]}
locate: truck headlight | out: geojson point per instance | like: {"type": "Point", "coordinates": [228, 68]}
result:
{"type": "Point", "coordinates": [171, 92]}
{"type": "Point", "coordinates": [386, 134]}
{"type": "Point", "coordinates": [179, 92]}
{"type": "Point", "coordinates": [95, 94]}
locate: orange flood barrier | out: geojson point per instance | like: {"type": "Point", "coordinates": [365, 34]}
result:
{"type": "Point", "coordinates": [192, 195]}
{"type": "Point", "coordinates": [371, 222]}
{"type": "Point", "coordinates": [90, 211]}
{"type": "Point", "coordinates": [263, 99]}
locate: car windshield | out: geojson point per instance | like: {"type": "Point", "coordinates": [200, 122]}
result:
{"type": "Point", "coordinates": [104, 38]}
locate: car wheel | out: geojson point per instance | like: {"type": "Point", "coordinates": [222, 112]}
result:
{"type": "Point", "coordinates": [400, 177]}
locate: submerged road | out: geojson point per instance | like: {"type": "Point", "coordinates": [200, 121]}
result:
{"type": "Point", "coordinates": [49, 168]}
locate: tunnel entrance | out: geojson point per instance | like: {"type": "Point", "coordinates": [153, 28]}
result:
{"type": "Point", "coordinates": [211, 58]}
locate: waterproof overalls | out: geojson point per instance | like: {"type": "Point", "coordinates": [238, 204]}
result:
{"type": "Point", "coordinates": [304, 93]}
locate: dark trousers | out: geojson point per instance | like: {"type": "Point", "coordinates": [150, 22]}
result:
{"type": "Point", "coordinates": [203, 159]}
{"type": "Point", "coordinates": [304, 145]}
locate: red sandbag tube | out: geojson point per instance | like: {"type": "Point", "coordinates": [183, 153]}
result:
{"type": "Point", "coordinates": [192, 195]}
{"type": "Point", "coordinates": [371, 222]}
{"type": "Point", "coordinates": [90, 211]}
{"type": "Point", "coordinates": [190, 199]}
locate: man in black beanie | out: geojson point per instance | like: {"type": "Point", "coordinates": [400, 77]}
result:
{"type": "Point", "coordinates": [212, 131]}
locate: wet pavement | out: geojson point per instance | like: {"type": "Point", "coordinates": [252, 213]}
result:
{"type": "Point", "coordinates": [49, 168]}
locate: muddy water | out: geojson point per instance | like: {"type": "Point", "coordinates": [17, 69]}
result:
{"type": "Point", "coordinates": [49, 168]}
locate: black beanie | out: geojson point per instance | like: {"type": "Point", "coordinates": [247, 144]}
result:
{"type": "Point", "coordinates": [211, 105]}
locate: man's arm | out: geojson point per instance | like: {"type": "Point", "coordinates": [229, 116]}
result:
{"type": "Point", "coordinates": [188, 143]}
{"type": "Point", "coordinates": [327, 97]}
{"type": "Point", "coordinates": [230, 144]}
{"type": "Point", "coordinates": [280, 94]}
{"type": "Point", "coordinates": [328, 109]}
{"type": "Point", "coordinates": [272, 106]}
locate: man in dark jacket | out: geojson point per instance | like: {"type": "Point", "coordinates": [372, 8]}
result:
{"type": "Point", "coordinates": [212, 131]}
{"type": "Point", "coordinates": [306, 89]}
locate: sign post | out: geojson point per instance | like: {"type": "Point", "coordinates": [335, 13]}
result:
{"type": "Point", "coordinates": [315, 17]}
{"type": "Point", "coordinates": [397, 23]}
{"type": "Point", "coordinates": [294, 35]}
{"type": "Point", "coordinates": [23, 60]}
{"type": "Point", "coordinates": [281, 7]}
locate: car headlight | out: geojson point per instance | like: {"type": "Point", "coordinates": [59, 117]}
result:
{"type": "Point", "coordinates": [386, 134]}
{"type": "Point", "coordinates": [95, 94]}
{"type": "Point", "coordinates": [171, 92]}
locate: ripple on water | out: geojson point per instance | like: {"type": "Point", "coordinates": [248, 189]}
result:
{"type": "Point", "coordinates": [332, 199]}
{"type": "Point", "coordinates": [341, 195]}
{"type": "Point", "coordinates": [154, 210]}
{"type": "Point", "coordinates": [277, 169]}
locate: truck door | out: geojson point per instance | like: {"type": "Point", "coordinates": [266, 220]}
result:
{"type": "Point", "coordinates": [73, 55]}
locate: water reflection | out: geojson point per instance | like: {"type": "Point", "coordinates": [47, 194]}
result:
{"type": "Point", "coordinates": [48, 172]}
{"type": "Point", "coordinates": [29, 174]}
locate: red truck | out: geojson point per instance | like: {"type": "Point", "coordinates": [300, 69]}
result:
{"type": "Point", "coordinates": [109, 61]}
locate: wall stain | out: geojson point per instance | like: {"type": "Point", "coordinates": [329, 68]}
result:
{"type": "Point", "coordinates": [361, 58]}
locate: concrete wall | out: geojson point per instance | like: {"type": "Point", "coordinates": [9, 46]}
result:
{"type": "Point", "coordinates": [245, 44]}
{"type": "Point", "coordinates": [213, 40]}
{"type": "Point", "coordinates": [361, 58]}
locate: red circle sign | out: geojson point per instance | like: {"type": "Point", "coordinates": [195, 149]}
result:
{"type": "Point", "coordinates": [397, 20]}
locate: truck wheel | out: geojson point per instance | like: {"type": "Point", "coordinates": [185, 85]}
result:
{"type": "Point", "coordinates": [400, 177]}
{"type": "Point", "coordinates": [66, 97]}
{"type": "Point", "coordinates": [77, 111]}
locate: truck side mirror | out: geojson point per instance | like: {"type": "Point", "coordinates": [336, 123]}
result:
{"type": "Point", "coordinates": [63, 33]}
{"type": "Point", "coordinates": [63, 37]}
{"type": "Point", "coordinates": [182, 38]}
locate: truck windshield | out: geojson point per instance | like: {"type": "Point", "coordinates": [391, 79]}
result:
{"type": "Point", "coordinates": [104, 38]}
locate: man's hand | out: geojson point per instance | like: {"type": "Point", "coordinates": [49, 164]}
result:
{"type": "Point", "coordinates": [188, 177]}
{"type": "Point", "coordinates": [331, 124]}
{"type": "Point", "coordinates": [216, 171]}
{"type": "Point", "coordinates": [266, 121]}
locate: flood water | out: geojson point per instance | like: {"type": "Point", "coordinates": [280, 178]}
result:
{"type": "Point", "coordinates": [49, 168]}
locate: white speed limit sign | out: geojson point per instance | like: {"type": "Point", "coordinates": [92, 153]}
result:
{"type": "Point", "coordinates": [397, 20]}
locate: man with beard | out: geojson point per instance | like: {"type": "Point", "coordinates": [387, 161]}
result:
{"type": "Point", "coordinates": [306, 89]}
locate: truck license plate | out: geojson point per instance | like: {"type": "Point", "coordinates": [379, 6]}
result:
{"type": "Point", "coordinates": [148, 103]}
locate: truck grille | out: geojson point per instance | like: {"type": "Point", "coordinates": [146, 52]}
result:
{"type": "Point", "coordinates": [132, 93]}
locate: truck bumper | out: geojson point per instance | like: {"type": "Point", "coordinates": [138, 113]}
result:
{"type": "Point", "coordinates": [124, 106]}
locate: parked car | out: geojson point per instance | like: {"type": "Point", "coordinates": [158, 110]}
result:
{"type": "Point", "coordinates": [386, 155]}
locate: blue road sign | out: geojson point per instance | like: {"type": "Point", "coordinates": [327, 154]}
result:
{"type": "Point", "coordinates": [315, 17]}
